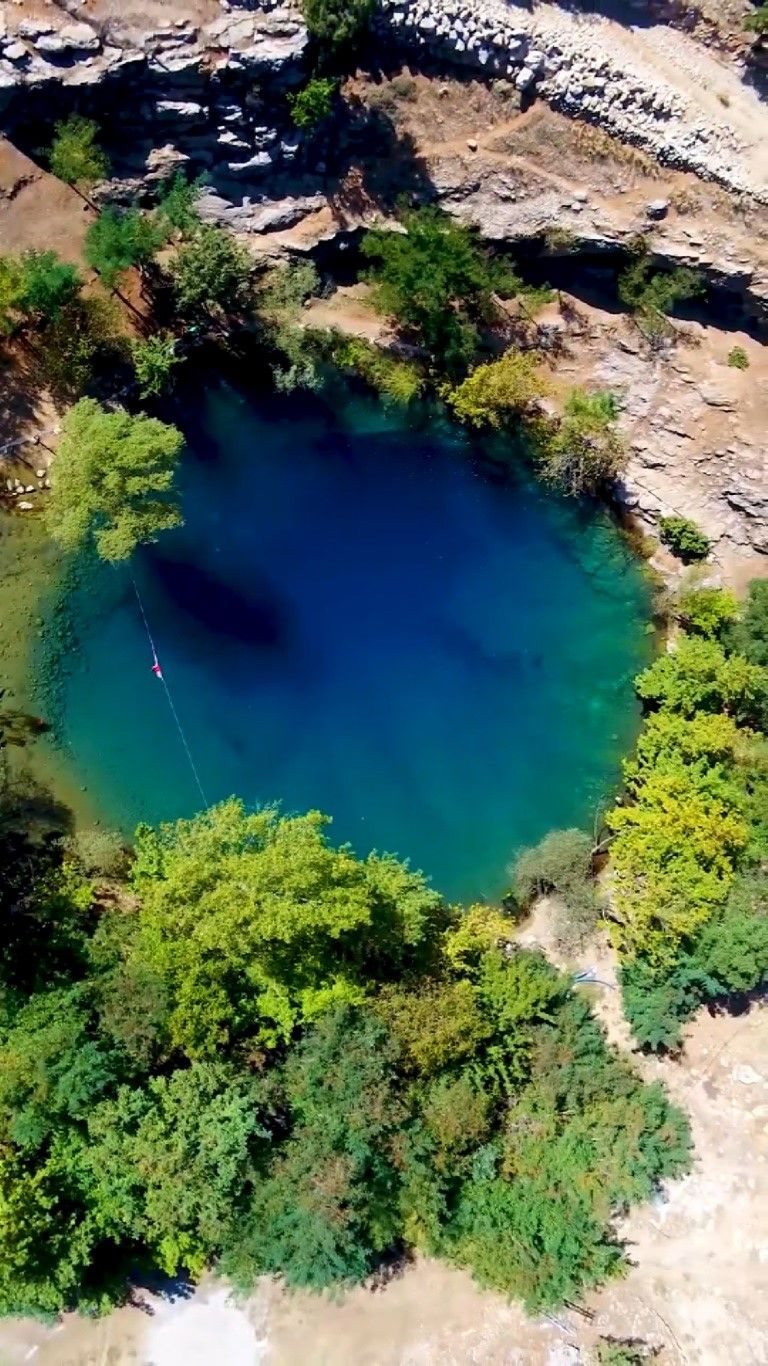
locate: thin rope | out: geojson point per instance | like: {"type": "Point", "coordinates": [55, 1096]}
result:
{"type": "Point", "coordinates": [161, 675]}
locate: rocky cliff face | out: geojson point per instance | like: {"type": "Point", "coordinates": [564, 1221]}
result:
{"type": "Point", "coordinates": [202, 84]}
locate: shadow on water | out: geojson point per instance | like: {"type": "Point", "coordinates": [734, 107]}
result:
{"type": "Point", "coordinates": [258, 619]}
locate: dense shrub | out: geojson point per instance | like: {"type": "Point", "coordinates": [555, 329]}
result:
{"type": "Point", "coordinates": [683, 538]}
{"type": "Point", "coordinates": [75, 155]}
{"type": "Point", "coordinates": [312, 104]}
{"type": "Point", "coordinates": [438, 283]}
{"type": "Point", "coordinates": [274, 1056]}
{"type": "Point", "coordinates": [211, 273]}
{"type": "Point", "coordinates": [582, 451]}
{"type": "Point", "coordinates": [738, 358]}
{"type": "Point", "coordinates": [499, 390]}
{"type": "Point", "coordinates": [337, 25]}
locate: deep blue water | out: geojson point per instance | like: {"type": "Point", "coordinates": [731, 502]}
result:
{"type": "Point", "coordinates": [353, 618]}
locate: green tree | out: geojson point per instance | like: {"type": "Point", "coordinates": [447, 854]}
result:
{"type": "Point", "coordinates": [651, 293]}
{"type": "Point", "coordinates": [398, 382]}
{"type": "Point", "coordinates": [171, 1164]}
{"type": "Point", "coordinates": [330, 1208]}
{"type": "Point", "coordinates": [312, 104]}
{"type": "Point", "coordinates": [176, 204]}
{"type": "Point", "coordinates": [211, 272]}
{"type": "Point", "coordinates": [75, 346]}
{"type": "Point", "coordinates": [757, 21]}
{"type": "Point", "coordinates": [112, 480]}
{"type": "Point", "coordinates": [697, 676]}
{"type": "Point", "coordinates": [437, 281]}
{"type": "Point", "coordinates": [9, 289]}
{"type": "Point", "coordinates": [494, 393]}
{"type": "Point", "coordinates": [46, 285]}
{"type": "Point", "coordinates": [582, 451]}
{"type": "Point", "coordinates": [75, 155]}
{"type": "Point", "coordinates": [562, 864]}
{"type": "Point", "coordinates": [153, 360]}
{"type": "Point", "coordinates": [708, 611]}
{"type": "Point", "coordinates": [257, 924]}
{"type": "Point", "coordinates": [683, 538]}
{"type": "Point", "coordinates": [335, 25]}
{"type": "Point", "coordinates": [435, 1027]}
{"type": "Point", "coordinates": [118, 240]}
{"type": "Point", "coordinates": [749, 636]}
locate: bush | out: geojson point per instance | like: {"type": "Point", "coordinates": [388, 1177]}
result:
{"type": "Point", "coordinates": [493, 393]}
{"type": "Point", "coordinates": [176, 203]}
{"type": "Point", "coordinates": [74, 346]}
{"type": "Point", "coordinates": [683, 538]}
{"type": "Point", "coordinates": [738, 358]}
{"type": "Point", "coordinates": [75, 155]}
{"type": "Point", "coordinates": [397, 381]}
{"type": "Point", "coordinates": [708, 611]}
{"type": "Point", "coordinates": [651, 293]}
{"type": "Point", "coordinates": [46, 285]}
{"type": "Point", "coordinates": [438, 283]}
{"type": "Point", "coordinates": [562, 864]}
{"type": "Point", "coordinates": [749, 635]}
{"type": "Point", "coordinates": [120, 239]}
{"type": "Point", "coordinates": [336, 25]}
{"type": "Point", "coordinates": [757, 21]}
{"type": "Point", "coordinates": [153, 361]}
{"type": "Point", "coordinates": [312, 104]}
{"type": "Point", "coordinates": [98, 852]}
{"type": "Point", "coordinates": [582, 451]}
{"type": "Point", "coordinates": [211, 272]}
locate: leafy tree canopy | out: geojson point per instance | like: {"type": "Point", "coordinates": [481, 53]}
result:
{"type": "Point", "coordinates": [120, 239]}
{"type": "Point", "coordinates": [437, 281]}
{"type": "Point", "coordinates": [499, 390]}
{"type": "Point", "coordinates": [336, 25]}
{"type": "Point", "coordinates": [312, 104]}
{"type": "Point", "coordinates": [153, 360]}
{"type": "Point", "coordinates": [75, 155]}
{"type": "Point", "coordinates": [582, 451]}
{"type": "Point", "coordinates": [112, 480]}
{"type": "Point", "coordinates": [211, 272]}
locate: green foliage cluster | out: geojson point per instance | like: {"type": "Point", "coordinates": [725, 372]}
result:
{"type": "Point", "coordinates": [176, 203]}
{"type": "Point", "coordinates": [211, 273]}
{"type": "Point", "coordinates": [112, 480]}
{"type": "Point", "coordinates": [81, 343]}
{"type": "Point", "coordinates": [397, 381]}
{"type": "Point", "coordinates": [268, 1055]}
{"type": "Point", "coordinates": [738, 358]}
{"type": "Point", "coordinates": [75, 156]}
{"type": "Point", "coordinates": [122, 238]}
{"type": "Point", "coordinates": [708, 611]}
{"type": "Point", "coordinates": [757, 21]}
{"type": "Point", "coordinates": [35, 287]}
{"type": "Point", "coordinates": [337, 26]}
{"type": "Point", "coordinates": [154, 359]}
{"type": "Point", "coordinates": [438, 283]}
{"type": "Point", "coordinates": [651, 294]}
{"type": "Point", "coordinates": [683, 538]}
{"type": "Point", "coordinates": [494, 393]}
{"type": "Point", "coordinates": [313, 103]}
{"type": "Point", "coordinates": [581, 451]}
{"type": "Point", "coordinates": [688, 888]}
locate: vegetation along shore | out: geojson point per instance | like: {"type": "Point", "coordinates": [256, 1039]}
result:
{"type": "Point", "coordinates": [230, 1042]}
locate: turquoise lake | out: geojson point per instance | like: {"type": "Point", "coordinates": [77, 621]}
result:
{"type": "Point", "coordinates": [356, 618]}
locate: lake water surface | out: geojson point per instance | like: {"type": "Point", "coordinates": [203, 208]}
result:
{"type": "Point", "coordinates": [354, 618]}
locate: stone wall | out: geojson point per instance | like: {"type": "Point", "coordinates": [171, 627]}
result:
{"type": "Point", "coordinates": [580, 69]}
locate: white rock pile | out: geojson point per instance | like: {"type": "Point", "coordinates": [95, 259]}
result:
{"type": "Point", "coordinates": [576, 68]}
